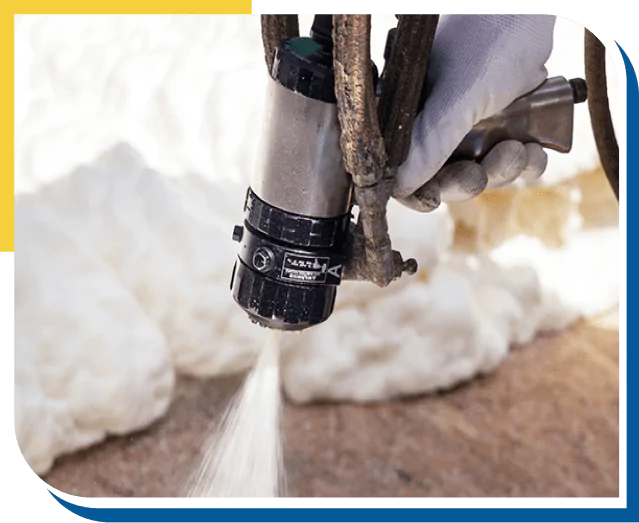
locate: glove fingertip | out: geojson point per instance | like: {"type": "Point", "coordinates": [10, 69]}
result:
{"type": "Point", "coordinates": [425, 199]}
{"type": "Point", "coordinates": [537, 161]}
{"type": "Point", "coordinates": [504, 163]}
{"type": "Point", "coordinates": [461, 181]}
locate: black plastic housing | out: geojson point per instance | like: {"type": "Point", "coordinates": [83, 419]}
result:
{"type": "Point", "coordinates": [288, 266]}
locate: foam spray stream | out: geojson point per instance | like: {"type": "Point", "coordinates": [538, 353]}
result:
{"type": "Point", "coordinates": [243, 458]}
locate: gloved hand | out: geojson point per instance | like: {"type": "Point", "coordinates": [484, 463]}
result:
{"type": "Point", "coordinates": [478, 66]}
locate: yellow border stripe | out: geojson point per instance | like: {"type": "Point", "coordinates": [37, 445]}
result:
{"type": "Point", "coordinates": [7, 64]}
{"type": "Point", "coordinates": [7, 133]}
{"type": "Point", "coordinates": [220, 7]}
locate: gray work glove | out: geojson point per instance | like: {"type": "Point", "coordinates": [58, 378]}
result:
{"type": "Point", "coordinates": [479, 65]}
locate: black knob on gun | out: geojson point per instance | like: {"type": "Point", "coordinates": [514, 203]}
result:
{"type": "Point", "coordinates": [579, 90]}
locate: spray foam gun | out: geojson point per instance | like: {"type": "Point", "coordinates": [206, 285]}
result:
{"type": "Point", "coordinates": [322, 152]}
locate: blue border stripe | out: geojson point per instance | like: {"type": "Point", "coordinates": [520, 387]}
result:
{"type": "Point", "coordinates": [345, 514]}
{"type": "Point", "coordinates": [632, 359]}
{"type": "Point", "coordinates": [444, 515]}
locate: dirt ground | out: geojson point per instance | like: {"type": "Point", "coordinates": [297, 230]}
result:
{"type": "Point", "coordinates": [544, 424]}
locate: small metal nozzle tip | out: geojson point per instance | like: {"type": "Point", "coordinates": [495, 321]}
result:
{"type": "Point", "coordinates": [579, 90]}
{"type": "Point", "coordinates": [410, 266]}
